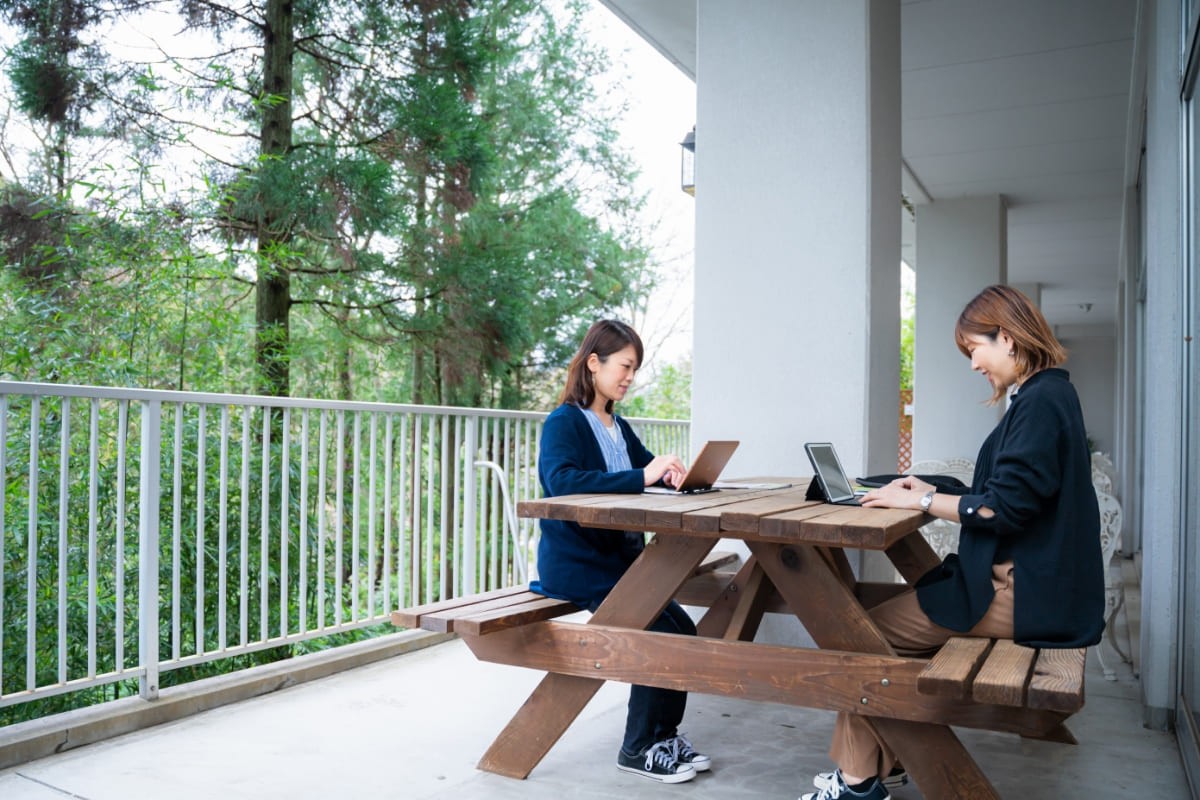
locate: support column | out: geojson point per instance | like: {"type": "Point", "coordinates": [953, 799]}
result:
{"type": "Point", "coordinates": [961, 248]}
{"type": "Point", "coordinates": [798, 231]}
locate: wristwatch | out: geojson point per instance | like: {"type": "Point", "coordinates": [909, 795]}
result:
{"type": "Point", "coordinates": [927, 500]}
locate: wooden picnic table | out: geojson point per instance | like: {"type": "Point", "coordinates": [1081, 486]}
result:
{"type": "Point", "coordinates": [797, 564]}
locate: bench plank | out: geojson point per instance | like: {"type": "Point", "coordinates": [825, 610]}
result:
{"type": "Point", "coordinates": [1057, 682]}
{"type": "Point", "coordinates": [497, 619]}
{"type": "Point", "coordinates": [444, 621]}
{"type": "Point", "coordinates": [487, 612]}
{"type": "Point", "coordinates": [411, 617]}
{"type": "Point", "coordinates": [1004, 676]}
{"type": "Point", "coordinates": [952, 669]}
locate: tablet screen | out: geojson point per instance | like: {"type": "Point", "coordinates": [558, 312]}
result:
{"type": "Point", "coordinates": [827, 466]}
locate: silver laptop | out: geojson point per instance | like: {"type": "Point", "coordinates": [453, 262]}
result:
{"type": "Point", "coordinates": [704, 471]}
{"type": "Point", "coordinates": [830, 478]}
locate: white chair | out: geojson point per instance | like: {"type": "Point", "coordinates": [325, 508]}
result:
{"type": "Point", "coordinates": [1101, 481]}
{"type": "Point", "coordinates": [931, 466]}
{"type": "Point", "coordinates": [1103, 464]}
{"type": "Point", "coordinates": [942, 534]}
{"type": "Point", "coordinates": [1114, 588]}
{"type": "Point", "coordinates": [961, 468]}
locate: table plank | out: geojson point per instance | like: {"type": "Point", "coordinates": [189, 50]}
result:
{"type": "Point", "coordinates": [787, 524]}
{"type": "Point", "coordinates": [861, 528]}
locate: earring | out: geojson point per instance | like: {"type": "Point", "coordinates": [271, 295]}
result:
{"type": "Point", "coordinates": [1012, 352]}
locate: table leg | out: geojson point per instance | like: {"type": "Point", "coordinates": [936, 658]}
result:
{"type": "Point", "coordinates": [635, 602]}
{"type": "Point", "coordinates": [931, 753]}
{"type": "Point", "coordinates": [737, 613]}
{"type": "Point", "coordinates": [936, 760]}
{"type": "Point", "coordinates": [913, 556]}
{"type": "Point", "coordinates": [538, 724]}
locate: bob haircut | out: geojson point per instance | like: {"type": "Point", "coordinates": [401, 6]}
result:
{"type": "Point", "coordinates": [605, 337]}
{"type": "Point", "coordinates": [1002, 308]}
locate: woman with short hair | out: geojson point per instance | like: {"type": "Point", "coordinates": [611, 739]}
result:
{"type": "Point", "coordinates": [1029, 565]}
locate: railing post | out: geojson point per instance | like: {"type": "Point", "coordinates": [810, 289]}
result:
{"type": "Point", "coordinates": [470, 504]}
{"type": "Point", "coordinates": [148, 530]}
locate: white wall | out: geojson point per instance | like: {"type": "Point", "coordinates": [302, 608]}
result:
{"type": "Point", "coordinates": [1092, 362]}
{"type": "Point", "coordinates": [961, 248]}
{"type": "Point", "coordinates": [797, 270]}
{"type": "Point", "coordinates": [1162, 424]}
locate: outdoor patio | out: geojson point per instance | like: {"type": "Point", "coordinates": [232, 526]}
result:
{"type": "Point", "coordinates": [414, 726]}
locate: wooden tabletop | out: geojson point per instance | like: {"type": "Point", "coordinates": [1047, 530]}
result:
{"type": "Point", "coordinates": [774, 515]}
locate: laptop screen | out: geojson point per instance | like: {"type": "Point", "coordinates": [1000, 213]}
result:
{"type": "Point", "coordinates": [829, 470]}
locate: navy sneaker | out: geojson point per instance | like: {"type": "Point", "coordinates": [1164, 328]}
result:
{"type": "Point", "coordinates": [657, 763]}
{"type": "Point", "coordinates": [836, 789]}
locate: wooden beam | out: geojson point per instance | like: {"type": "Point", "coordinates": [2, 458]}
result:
{"type": "Point", "coordinates": [858, 683]}
{"type": "Point", "coordinates": [538, 724]}
{"type": "Point", "coordinates": [913, 556]}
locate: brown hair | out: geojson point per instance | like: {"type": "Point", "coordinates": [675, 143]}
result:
{"type": "Point", "coordinates": [604, 338]}
{"type": "Point", "coordinates": [1002, 308]}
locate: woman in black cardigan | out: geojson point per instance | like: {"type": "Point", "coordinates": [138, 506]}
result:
{"type": "Point", "coordinates": [1029, 565]}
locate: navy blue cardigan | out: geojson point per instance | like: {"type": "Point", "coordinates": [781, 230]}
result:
{"type": "Point", "coordinates": [576, 563]}
{"type": "Point", "coordinates": [1035, 473]}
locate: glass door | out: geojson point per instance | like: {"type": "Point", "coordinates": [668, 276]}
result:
{"type": "Point", "coordinates": [1187, 713]}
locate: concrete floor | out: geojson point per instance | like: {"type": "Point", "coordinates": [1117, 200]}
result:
{"type": "Point", "coordinates": [413, 727]}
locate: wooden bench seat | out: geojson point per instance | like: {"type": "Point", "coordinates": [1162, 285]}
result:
{"type": "Point", "coordinates": [500, 609]}
{"type": "Point", "coordinates": [1001, 672]}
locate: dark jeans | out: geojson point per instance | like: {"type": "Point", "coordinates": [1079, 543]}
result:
{"type": "Point", "coordinates": [655, 714]}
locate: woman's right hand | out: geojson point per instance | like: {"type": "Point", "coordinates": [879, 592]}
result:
{"type": "Point", "coordinates": [667, 468]}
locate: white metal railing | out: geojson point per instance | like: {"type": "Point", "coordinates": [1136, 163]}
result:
{"type": "Point", "coordinates": [259, 522]}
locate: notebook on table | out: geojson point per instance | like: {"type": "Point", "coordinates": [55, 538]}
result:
{"type": "Point", "coordinates": [829, 482]}
{"type": "Point", "coordinates": [704, 471]}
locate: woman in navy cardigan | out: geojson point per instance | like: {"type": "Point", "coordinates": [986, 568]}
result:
{"type": "Point", "coordinates": [586, 448]}
{"type": "Point", "coordinates": [1029, 565]}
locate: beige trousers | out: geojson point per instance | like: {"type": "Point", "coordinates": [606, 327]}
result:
{"type": "Point", "coordinates": [856, 747]}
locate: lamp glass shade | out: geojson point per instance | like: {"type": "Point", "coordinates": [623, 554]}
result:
{"type": "Point", "coordinates": [687, 163]}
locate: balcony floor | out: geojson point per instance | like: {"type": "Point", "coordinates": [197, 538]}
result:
{"type": "Point", "coordinates": [414, 726]}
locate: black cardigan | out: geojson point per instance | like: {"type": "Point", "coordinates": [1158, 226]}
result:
{"type": "Point", "coordinates": [1034, 472]}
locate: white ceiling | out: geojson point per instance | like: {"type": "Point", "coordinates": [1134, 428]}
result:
{"type": "Point", "coordinates": [1029, 99]}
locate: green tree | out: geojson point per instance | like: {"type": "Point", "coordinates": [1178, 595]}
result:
{"type": "Point", "coordinates": [667, 395]}
{"type": "Point", "coordinates": [53, 74]}
{"type": "Point", "coordinates": [436, 179]}
{"type": "Point", "coordinates": [908, 322]}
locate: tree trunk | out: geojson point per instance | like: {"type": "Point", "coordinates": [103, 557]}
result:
{"type": "Point", "coordinates": [273, 294]}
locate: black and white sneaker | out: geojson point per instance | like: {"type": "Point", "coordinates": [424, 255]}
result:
{"type": "Point", "coordinates": [836, 789]}
{"type": "Point", "coordinates": [893, 780]}
{"type": "Point", "coordinates": [657, 763]}
{"type": "Point", "coordinates": [686, 754]}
